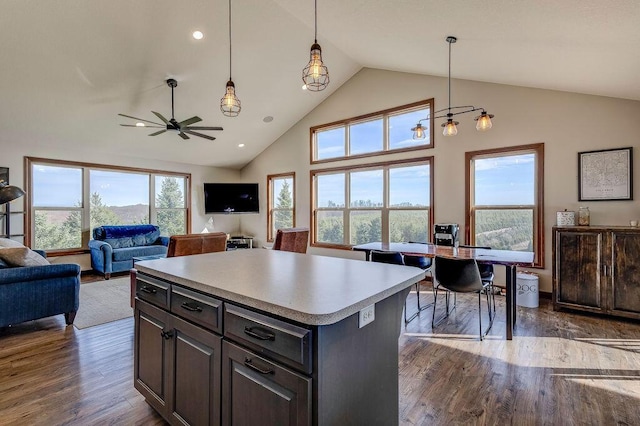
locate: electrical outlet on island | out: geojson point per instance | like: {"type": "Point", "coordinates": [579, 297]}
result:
{"type": "Point", "coordinates": [366, 315]}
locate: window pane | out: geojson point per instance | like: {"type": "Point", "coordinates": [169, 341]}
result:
{"type": "Point", "coordinates": [366, 189]}
{"type": "Point", "coordinates": [172, 222]}
{"type": "Point", "coordinates": [409, 186]}
{"type": "Point", "coordinates": [331, 190]}
{"type": "Point", "coordinates": [366, 227]}
{"type": "Point", "coordinates": [408, 225]}
{"type": "Point", "coordinates": [58, 229]}
{"type": "Point", "coordinates": [505, 181]}
{"type": "Point", "coordinates": [400, 133]}
{"type": "Point", "coordinates": [170, 192]}
{"type": "Point", "coordinates": [118, 198]}
{"type": "Point", "coordinates": [330, 227]}
{"type": "Point", "coordinates": [283, 193]}
{"type": "Point", "coordinates": [56, 186]}
{"type": "Point", "coordinates": [505, 229]}
{"type": "Point", "coordinates": [282, 219]}
{"type": "Point", "coordinates": [365, 137]}
{"type": "Point", "coordinates": [330, 143]}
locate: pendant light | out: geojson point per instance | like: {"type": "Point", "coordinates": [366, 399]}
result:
{"type": "Point", "coordinates": [315, 75]}
{"type": "Point", "coordinates": [449, 128]}
{"type": "Point", "coordinates": [230, 104]}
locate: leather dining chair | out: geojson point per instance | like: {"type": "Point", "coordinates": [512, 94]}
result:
{"type": "Point", "coordinates": [185, 245]}
{"type": "Point", "coordinates": [486, 272]}
{"type": "Point", "coordinates": [461, 276]}
{"type": "Point", "coordinates": [292, 239]}
{"type": "Point", "coordinates": [396, 258]}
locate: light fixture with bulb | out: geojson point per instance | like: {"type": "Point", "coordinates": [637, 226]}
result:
{"type": "Point", "coordinates": [450, 129]}
{"type": "Point", "coordinates": [315, 75]}
{"type": "Point", "coordinates": [230, 104]}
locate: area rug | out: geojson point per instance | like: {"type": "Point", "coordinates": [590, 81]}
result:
{"type": "Point", "coordinates": [103, 301]}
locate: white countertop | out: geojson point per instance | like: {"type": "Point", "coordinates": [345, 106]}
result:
{"type": "Point", "coordinates": [310, 289]}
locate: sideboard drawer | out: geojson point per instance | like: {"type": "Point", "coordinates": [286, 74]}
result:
{"type": "Point", "coordinates": [280, 340]}
{"type": "Point", "coordinates": [153, 290]}
{"type": "Point", "coordinates": [199, 308]}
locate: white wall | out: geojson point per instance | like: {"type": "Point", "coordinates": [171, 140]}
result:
{"type": "Point", "coordinates": [13, 154]}
{"type": "Point", "coordinates": [567, 123]}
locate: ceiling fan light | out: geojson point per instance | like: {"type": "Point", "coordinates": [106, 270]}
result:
{"type": "Point", "coordinates": [418, 132]}
{"type": "Point", "coordinates": [484, 121]}
{"type": "Point", "coordinates": [230, 104]}
{"type": "Point", "coordinates": [315, 75]}
{"type": "Point", "coordinates": [450, 128]}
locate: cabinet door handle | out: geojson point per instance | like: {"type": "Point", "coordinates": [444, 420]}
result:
{"type": "Point", "coordinates": [191, 307]}
{"type": "Point", "coordinates": [149, 290]}
{"type": "Point", "coordinates": [167, 334]}
{"type": "Point", "coordinates": [249, 363]}
{"type": "Point", "coordinates": [259, 333]}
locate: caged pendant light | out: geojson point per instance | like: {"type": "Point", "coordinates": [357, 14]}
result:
{"type": "Point", "coordinates": [230, 104]}
{"type": "Point", "coordinates": [450, 129]}
{"type": "Point", "coordinates": [315, 75]}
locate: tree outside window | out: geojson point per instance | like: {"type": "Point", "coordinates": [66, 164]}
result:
{"type": "Point", "coordinates": [281, 201]}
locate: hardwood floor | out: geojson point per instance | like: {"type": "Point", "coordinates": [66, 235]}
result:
{"type": "Point", "coordinates": [561, 368]}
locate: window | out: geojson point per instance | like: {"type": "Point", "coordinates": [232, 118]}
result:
{"type": "Point", "coordinates": [281, 202]}
{"type": "Point", "coordinates": [372, 134]}
{"type": "Point", "coordinates": [504, 190]}
{"type": "Point", "coordinates": [67, 200]}
{"type": "Point", "coordinates": [388, 202]}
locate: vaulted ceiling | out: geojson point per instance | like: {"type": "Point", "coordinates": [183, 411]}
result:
{"type": "Point", "coordinates": [70, 66]}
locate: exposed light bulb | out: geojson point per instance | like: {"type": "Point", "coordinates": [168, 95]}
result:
{"type": "Point", "coordinates": [230, 104]}
{"type": "Point", "coordinates": [418, 132]}
{"type": "Point", "coordinates": [450, 128]}
{"type": "Point", "coordinates": [315, 75]}
{"type": "Point", "coordinates": [484, 121]}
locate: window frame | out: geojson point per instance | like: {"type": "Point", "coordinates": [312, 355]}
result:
{"type": "Point", "coordinates": [384, 115]}
{"type": "Point", "coordinates": [29, 217]}
{"type": "Point", "coordinates": [385, 209]}
{"type": "Point", "coordinates": [271, 210]}
{"type": "Point", "coordinates": [538, 207]}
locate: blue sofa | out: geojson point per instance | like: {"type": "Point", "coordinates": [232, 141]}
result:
{"type": "Point", "coordinates": [33, 292]}
{"type": "Point", "coordinates": [114, 247]}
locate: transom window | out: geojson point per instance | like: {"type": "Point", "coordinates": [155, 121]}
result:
{"type": "Point", "coordinates": [281, 202]}
{"type": "Point", "coordinates": [505, 199]}
{"type": "Point", "coordinates": [372, 134]}
{"type": "Point", "coordinates": [388, 202]}
{"type": "Point", "coordinates": [67, 200]}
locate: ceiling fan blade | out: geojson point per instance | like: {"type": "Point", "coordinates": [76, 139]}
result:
{"type": "Point", "coordinates": [204, 128]}
{"type": "Point", "coordinates": [194, 119]}
{"type": "Point", "coordinates": [211, 138]}
{"type": "Point", "coordinates": [158, 132]}
{"type": "Point", "coordinates": [143, 127]}
{"type": "Point", "coordinates": [183, 136]}
{"type": "Point", "coordinates": [161, 117]}
{"type": "Point", "coordinates": [140, 119]}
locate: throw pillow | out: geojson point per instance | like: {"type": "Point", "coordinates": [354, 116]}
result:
{"type": "Point", "coordinates": [6, 242]}
{"type": "Point", "coordinates": [22, 256]}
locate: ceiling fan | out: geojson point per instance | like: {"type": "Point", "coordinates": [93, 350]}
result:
{"type": "Point", "coordinates": [181, 127]}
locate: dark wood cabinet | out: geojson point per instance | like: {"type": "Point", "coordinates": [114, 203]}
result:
{"type": "Point", "coordinates": [177, 367]}
{"type": "Point", "coordinates": [597, 269]}
{"type": "Point", "coordinates": [257, 391]}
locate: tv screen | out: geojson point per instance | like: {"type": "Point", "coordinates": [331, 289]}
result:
{"type": "Point", "coordinates": [231, 198]}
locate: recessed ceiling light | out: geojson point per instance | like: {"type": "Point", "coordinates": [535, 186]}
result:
{"type": "Point", "coordinates": [240, 145]}
{"type": "Point", "coordinates": [138, 124]}
{"type": "Point", "coordinates": [268, 119]}
{"type": "Point", "coordinates": [304, 87]}
{"type": "Point", "coordinates": [198, 35]}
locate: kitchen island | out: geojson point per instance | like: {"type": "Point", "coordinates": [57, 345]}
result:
{"type": "Point", "coordinates": [270, 337]}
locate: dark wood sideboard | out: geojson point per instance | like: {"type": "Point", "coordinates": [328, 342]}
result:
{"type": "Point", "coordinates": [597, 269]}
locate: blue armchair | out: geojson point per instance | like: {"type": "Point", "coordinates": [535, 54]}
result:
{"type": "Point", "coordinates": [114, 247]}
{"type": "Point", "coordinates": [33, 292]}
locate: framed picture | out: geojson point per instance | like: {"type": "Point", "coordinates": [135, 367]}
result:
{"type": "Point", "coordinates": [605, 175]}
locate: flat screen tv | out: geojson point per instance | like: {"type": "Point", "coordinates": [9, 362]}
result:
{"type": "Point", "coordinates": [231, 198]}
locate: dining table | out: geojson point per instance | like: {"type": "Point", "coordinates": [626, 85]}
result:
{"type": "Point", "coordinates": [510, 259]}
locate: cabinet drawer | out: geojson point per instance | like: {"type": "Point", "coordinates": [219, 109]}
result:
{"type": "Point", "coordinates": [199, 308]}
{"type": "Point", "coordinates": [153, 290]}
{"type": "Point", "coordinates": [280, 340]}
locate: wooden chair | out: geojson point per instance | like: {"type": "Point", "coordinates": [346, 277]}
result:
{"type": "Point", "coordinates": [185, 245]}
{"type": "Point", "coordinates": [292, 239]}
